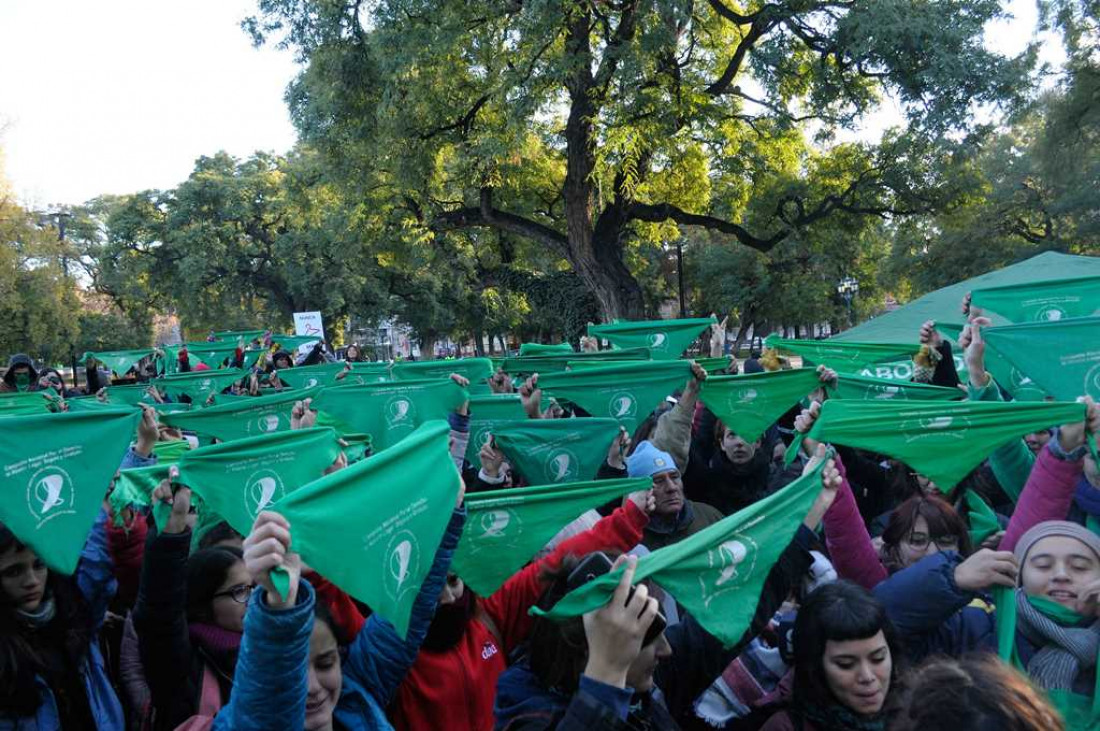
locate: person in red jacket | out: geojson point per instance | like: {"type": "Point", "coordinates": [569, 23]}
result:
{"type": "Point", "coordinates": [453, 683]}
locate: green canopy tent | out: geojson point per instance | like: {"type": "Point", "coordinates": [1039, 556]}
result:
{"type": "Point", "coordinates": [903, 324]}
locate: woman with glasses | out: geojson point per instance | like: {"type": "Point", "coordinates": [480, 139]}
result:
{"type": "Point", "coordinates": [189, 618]}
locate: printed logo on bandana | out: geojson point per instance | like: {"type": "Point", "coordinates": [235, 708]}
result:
{"type": "Point", "coordinates": [658, 341]}
{"type": "Point", "coordinates": [1092, 382]}
{"type": "Point", "coordinates": [402, 562]}
{"type": "Point", "coordinates": [311, 382]}
{"type": "Point", "coordinates": [622, 405]}
{"type": "Point", "coordinates": [50, 494]}
{"type": "Point", "coordinates": [482, 437]}
{"type": "Point", "coordinates": [881, 393]}
{"type": "Point", "coordinates": [495, 522]}
{"type": "Point", "coordinates": [268, 423]}
{"type": "Point", "coordinates": [936, 427]}
{"type": "Point", "coordinates": [263, 489]}
{"type": "Point", "coordinates": [1050, 313]}
{"type": "Point", "coordinates": [731, 563]}
{"type": "Point", "coordinates": [400, 411]}
{"type": "Point", "coordinates": [206, 384]}
{"type": "Point", "coordinates": [561, 465]}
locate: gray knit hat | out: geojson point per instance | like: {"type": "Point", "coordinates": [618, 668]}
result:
{"type": "Point", "coordinates": [1055, 528]}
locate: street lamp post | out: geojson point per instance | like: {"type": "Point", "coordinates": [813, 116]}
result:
{"type": "Point", "coordinates": [848, 288]}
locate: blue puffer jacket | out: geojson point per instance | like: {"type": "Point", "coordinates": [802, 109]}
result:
{"type": "Point", "coordinates": [270, 684]}
{"type": "Point", "coordinates": [934, 616]}
{"type": "Point", "coordinates": [97, 583]}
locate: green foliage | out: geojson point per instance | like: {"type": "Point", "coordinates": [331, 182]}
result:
{"type": "Point", "coordinates": [111, 331]}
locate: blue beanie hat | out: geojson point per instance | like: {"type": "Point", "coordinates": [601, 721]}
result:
{"type": "Point", "coordinates": [647, 461]}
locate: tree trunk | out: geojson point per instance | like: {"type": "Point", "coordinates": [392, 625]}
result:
{"type": "Point", "coordinates": [427, 346]}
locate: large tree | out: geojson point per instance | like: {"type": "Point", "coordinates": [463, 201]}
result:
{"type": "Point", "coordinates": [585, 125]}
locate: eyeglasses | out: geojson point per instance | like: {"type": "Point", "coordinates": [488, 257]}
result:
{"type": "Point", "coordinates": [239, 593]}
{"type": "Point", "coordinates": [920, 541]}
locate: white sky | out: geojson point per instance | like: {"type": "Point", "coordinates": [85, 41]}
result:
{"type": "Point", "coordinates": [117, 96]}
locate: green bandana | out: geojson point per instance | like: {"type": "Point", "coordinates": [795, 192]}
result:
{"type": "Point", "coordinates": [983, 521]}
{"type": "Point", "coordinates": [15, 403]}
{"type": "Point", "coordinates": [1049, 301]}
{"type": "Point", "coordinates": [627, 393]}
{"type": "Point", "coordinates": [554, 363]}
{"type": "Point", "coordinates": [476, 370]}
{"type": "Point", "coordinates": [134, 488]}
{"type": "Point", "coordinates": [369, 373]}
{"type": "Point", "coordinates": [547, 451]}
{"type": "Point", "coordinates": [310, 376]}
{"type": "Point", "coordinates": [1079, 712]}
{"type": "Point", "coordinates": [715, 366]}
{"type": "Point", "coordinates": [718, 573]}
{"type": "Point", "coordinates": [844, 357]}
{"type": "Point", "coordinates": [22, 382]}
{"type": "Point", "coordinates": [866, 388]}
{"type": "Point", "coordinates": [129, 395]}
{"type": "Point", "coordinates": [91, 403]}
{"type": "Point", "coordinates": [584, 365]}
{"type": "Point", "coordinates": [239, 418]}
{"type": "Point", "coordinates": [239, 479]}
{"type": "Point", "coordinates": [943, 441]}
{"type": "Point", "coordinates": [198, 385]}
{"type": "Point", "coordinates": [1007, 376]}
{"type": "Point", "coordinates": [389, 412]}
{"type": "Point", "coordinates": [291, 343]}
{"type": "Point", "coordinates": [373, 528]}
{"type": "Point", "coordinates": [506, 528]}
{"type": "Point", "coordinates": [119, 361]}
{"type": "Point", "coordinates": [1062, 358]}
{"type": "Point", "coordinates": [540, 349]}
{"type": "Point", "coordinates": [749, 404]}
{"type": "Point", "coordinates": [55, 471]}
{"type": "Point", "coordinates": [217, 355]}
{"type": "Point", "coordinates": [666, 339]}
{"type": "Point", "coordinates": [486, 412]}
{"type": "Point", "coordinates": [169, 452]}
{"type": "Point", "coordinates": [231, 336]}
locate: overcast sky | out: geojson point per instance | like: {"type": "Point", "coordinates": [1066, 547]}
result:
{"type": "Point", "coordinates": [117, 96]}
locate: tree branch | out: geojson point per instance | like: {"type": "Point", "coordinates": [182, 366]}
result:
{"type": "Point", "coordinates": [665, 211]}
{"type": "Point", "coordinates": [486, 215]}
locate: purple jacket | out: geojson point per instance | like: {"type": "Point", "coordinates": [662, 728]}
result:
{"type": "Point", "coordinates": [1047, 495]}
{"type": "Point", "coordinates": [846, 537]}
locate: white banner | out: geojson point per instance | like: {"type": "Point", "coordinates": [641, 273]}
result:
{"type": "Point", "coordinates": [309, 323]}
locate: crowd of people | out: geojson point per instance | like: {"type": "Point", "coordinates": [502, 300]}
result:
{"type": "Point", "coordinates": [887, 610]}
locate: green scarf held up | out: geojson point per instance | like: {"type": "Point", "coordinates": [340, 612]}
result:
{"type": "Point", "coordinates": [719, 366]}
{"type": "Point", "coordinates": [231, 336]}
{"type": "Point", "coordinates": [373, 528]}
{"type": "Point", "coordinates": [548, 451]}
{"type": "Point", "coordinates": [19, 403]}
{"type": "Point", "coordinates": [1080, 713]}
{"type": "Point", "coordinates": [476, 370]}
{"type": "Point", "coordinates": [198, 385]}
{"type": "Point", "coordinates": [119, 361]}
{"type": "Point", "coordinates": [943, 441]}
{"type": "Point", "coordinates": [54, 472]}
{"type": "Point", "coordinates": [130, 395]}
{"type": "Point", "coordinates": [169, 452]}
{"type": "Point", "coordinates": [983, 521]}
{"type": "Point", "coordinates": [310, 376]}
{"type": "Point", "coordinates": [389, 412]}
{"type": "Point", "coordinates": [542, 349]}
{"type": "Point", "coordinates": [843, 357]}
{"type": "Point", "coordinates": [373, 372]}
{"type": "Point", "coordinates": [557, 362]}
{"type": "Point", "coordinates": [1062, 357]}
{"type": "Point", "coordinates": [749, 404]}
{"type": "Point", "coordinates": [666, 339]}
{"type": "Point", "coordinates": [718, 573]}
{"type": "Point", "coordinates": [627, 393]}
{"type": "Point", "coordinates": [486, 412]}
{"type": "Point", "coordinates": [134, 488]}
{"type": "Point", "coordinates": [239, 479]}
{"type": "Point", "coordinates": [1048, 301]}
{"type": "Point", "coordinates": [867, 388]}
{"type": "Point", "coordinates": [506, 528]}
{"type": "Point", "coordinates": [1007, 376]}
{"type": "Point", "coordinates": [241, 418]}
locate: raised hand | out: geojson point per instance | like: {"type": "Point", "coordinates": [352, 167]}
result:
{"type": "Point", "coordinates": [491, 459]}
{"type": "Point", "coordinates": [985, 569]}
{"type": "Point", "coordinates": [1072, 436]}
{"type": "Point", "coordinates": [615, 631]}
{"type": "Point", "coordinates": [644, 499]}
{"type": "Point", "coordinates": [180, 518]}
{"type": "Point", "coordinates": [147, 431]}
{"type": "Point", "coordinates": [530, 395]}
{"type": "Point", "coordinates": [929, 335]}
{"type": "Point", "coordinates": [616, 453]}
{"type": "Point", "coordinates": [267, 547]}
{"type": "Point", "coordinates": [302, 416]}
{"type": "Point", "coordinates": [830, 484]}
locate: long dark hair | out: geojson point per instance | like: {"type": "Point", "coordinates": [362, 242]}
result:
{"type": "Point", "coordinates": [840, 611]}
{"type": "Point", "coordinates": [557, 651]}
{"type": "Point", "coordinates": [206, 571]}
{"type": "Point", "coordinates": [21, 654]}
{"type": "Point", "coordinates": [942, 519]}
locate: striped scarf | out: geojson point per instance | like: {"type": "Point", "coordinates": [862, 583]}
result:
{"type": "Point", "coordinates": [1063, 651]}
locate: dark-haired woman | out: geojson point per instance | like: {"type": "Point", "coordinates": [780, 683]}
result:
{"type": "Point", "coordinates": [52, 675]}
{"type": "Point", "coordinates": [845, 654]}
